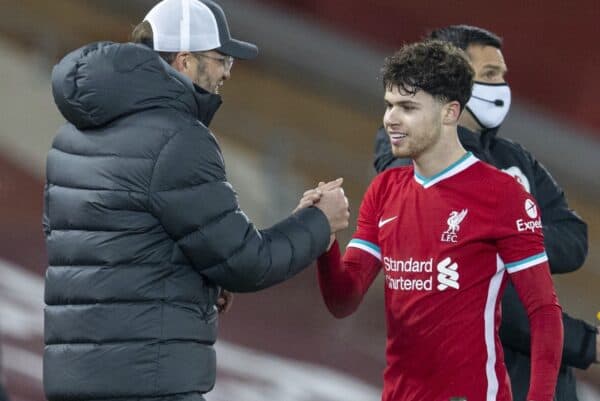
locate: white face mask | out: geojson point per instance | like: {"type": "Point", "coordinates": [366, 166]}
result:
{"type": "Point", "coordinates": [489, 103]}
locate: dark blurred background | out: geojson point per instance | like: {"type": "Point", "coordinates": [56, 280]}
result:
{"type": "Point", "coordinates": [305, 111]}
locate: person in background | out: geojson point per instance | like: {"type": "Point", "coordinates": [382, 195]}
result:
{"type": "Point", "coordinates": [565, 233]}
{"type": "Point", "coordinates": [142, 227]}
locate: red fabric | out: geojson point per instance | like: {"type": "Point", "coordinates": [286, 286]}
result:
{"type": "Point", "coordinates": [343, 284]}
{"type": "Point", "coordinates": [545, 317]}
{"type": "Point", "coordinates": [446, 246]}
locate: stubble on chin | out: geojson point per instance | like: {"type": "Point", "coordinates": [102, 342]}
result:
{"type": "Point", "coordinates": [400, 153]}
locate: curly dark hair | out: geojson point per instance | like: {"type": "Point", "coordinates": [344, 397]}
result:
{"type": "Point", "coordinates": [435, 67]}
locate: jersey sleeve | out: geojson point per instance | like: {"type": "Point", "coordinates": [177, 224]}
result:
{"type": "Point", "coordinates": [365, 238]}
{"type": "Point", "coordinates": [521, 248]}
{"type": "Point", "coordinates": [520, 239]}
{"type": "Point", "coordinates": [344, 281]}
{"type": "Point", "coordinates": [565, 233]}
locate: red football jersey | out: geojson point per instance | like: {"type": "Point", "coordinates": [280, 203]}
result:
{"type": "Point", "coordinates": [447, 244]}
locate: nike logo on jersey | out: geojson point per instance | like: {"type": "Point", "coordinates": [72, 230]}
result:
{"type": "Point", "coordinates": [384, 222]}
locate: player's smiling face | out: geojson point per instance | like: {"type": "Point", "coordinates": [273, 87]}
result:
{"type": "Point", "coordinates": [413, 122]}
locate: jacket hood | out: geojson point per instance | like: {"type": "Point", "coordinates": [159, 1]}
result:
{"type": "Point", "coordinates": [100, 82]}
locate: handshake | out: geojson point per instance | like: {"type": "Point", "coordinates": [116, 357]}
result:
{"type": "Point", "coordinates": [330, 199]}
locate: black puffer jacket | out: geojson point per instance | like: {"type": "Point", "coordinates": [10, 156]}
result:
{"type": "Point", "coordinates": [565, 238]}
{"type": "Point", "coordinates": [142, 229]}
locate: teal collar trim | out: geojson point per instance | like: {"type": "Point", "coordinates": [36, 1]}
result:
{"type": "Point", "coordinates": [460, 165]}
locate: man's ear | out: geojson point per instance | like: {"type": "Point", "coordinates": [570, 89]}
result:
{"type": "Point", "coordinates": [181, 61]}
{"type": "Point", "coordinates": [451, 113]}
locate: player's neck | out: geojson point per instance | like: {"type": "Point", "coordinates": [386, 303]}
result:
{"type": "Point", "coordinates": [443, 154]}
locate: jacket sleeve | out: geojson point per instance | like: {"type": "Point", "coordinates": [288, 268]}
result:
{"type": "Point", "coordinates": [198, 208]}
{"type": "Point", "coordinates": [579, 346]}
{"type": "Point", "coordinates": [384, 158]}
{"type": "Point", "coordinates": [565, 233]}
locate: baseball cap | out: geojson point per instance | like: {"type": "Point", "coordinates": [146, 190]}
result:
{"type": "Point", "coordinates": [194, 25]}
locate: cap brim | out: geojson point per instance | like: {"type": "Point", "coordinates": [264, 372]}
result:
{"type": "Point", "coordinates": [238, 49]}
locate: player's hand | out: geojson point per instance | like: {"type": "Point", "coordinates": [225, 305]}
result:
{"type": "Point", "coordinates": [331, 241]}
{"type": "Point", "coordinates": [224, 302]}
{"type": "Point", "coordinates": [334, 204]}
{"type": "Point", "coordinates": [312, 196]}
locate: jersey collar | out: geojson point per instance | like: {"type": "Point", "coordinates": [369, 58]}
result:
{"type": "Point", "coordinates": [460, 165]}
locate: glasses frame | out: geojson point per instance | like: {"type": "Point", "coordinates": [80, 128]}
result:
{"type": "Point", "coordinates": [227, 61]}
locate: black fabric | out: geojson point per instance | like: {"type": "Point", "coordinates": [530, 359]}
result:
{"type": "Point", "coordinates": [229, 46]}
{"type": "Point", "coordinates": [3, 395]}
{"type": "Point", "coordinates": [143, 229]}
{"type": "Point", "coordinates": [565, 238]}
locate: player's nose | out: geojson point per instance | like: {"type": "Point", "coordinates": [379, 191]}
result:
{"type": "Point", "coordinates": [392, 120]}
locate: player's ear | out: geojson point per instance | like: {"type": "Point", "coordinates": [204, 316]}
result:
{"type": "Point", "coordinates": [451, 112]}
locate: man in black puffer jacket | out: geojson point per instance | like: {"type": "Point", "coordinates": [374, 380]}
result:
{"type": "Point", "coordinates": [143, 229]}
{"type": "Point", "coordinates": [565, 234]}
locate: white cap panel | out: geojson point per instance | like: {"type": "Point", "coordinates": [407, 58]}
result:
{"type": "Point", "coordinates": [194, 16]}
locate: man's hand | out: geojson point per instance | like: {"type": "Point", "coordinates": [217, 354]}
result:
{"type": "Point", "coordinates": [330, 198]}
{"type": "Point", "coordinates": [224, 302]}
{"type": "Point", "coordinates": [312, 196]}
{"type": "Point", "coordinates": [334, 205]}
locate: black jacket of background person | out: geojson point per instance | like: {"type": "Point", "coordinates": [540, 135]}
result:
{"type": "Point", "coordinates": [142, 230]}
{"type": "Point", "coordinates": [565, 238]}
{"type": "Point", "coordinates": [3, 396]}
